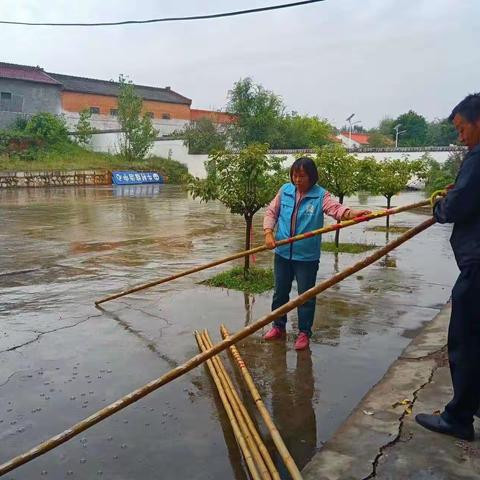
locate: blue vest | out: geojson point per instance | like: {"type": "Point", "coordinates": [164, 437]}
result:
{"type": "Point", "coordinates": [309, 217]}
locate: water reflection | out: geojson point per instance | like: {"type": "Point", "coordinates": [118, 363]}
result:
{"type": "Point", "coordinates": [292, 405]}
{"type": "Point", "coordinates": [249, 301]}
{"type": "Point", "coordinates": [151, 190]}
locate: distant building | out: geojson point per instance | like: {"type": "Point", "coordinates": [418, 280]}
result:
{"type": "Point", "coordinates": [355, 140]}
{"type": "Point", "coordinates": [26, 90]}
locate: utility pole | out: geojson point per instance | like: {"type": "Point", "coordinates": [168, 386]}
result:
{"type": "Point", "coordinates": [350, 128]}
{"type": "Point", "coordinates": [397, 133]}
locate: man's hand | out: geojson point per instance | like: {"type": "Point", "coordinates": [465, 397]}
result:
{"type": "Point", "coordinates": [269, 239]}
{"type": "Point", "coordinates": [350, 213]}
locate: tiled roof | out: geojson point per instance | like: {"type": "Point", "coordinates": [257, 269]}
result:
{"type": "Point", "coordinates": [111, 88]}
{"type": "Point", "coordinates": [361, 138]}
{"type": "Point", "coordinates": [26, 73]}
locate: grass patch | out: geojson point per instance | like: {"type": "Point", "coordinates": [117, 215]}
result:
{"type": "Point", "coordinates": [348, 247]}
{"type": "Point", "coordinates": [392, 229]}
{"type": "Point", "coordinates": [259, 280]}
{"type": "Point", "coordinates": [73, 157]}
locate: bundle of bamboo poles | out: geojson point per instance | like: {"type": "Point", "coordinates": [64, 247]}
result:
{"type": "Point", "coordinates": [258, 460]}
{"type": "Point", "coordinates": [275, 434]}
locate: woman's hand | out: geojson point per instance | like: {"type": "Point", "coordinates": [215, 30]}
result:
{"type": "Point", "coordinates": [269, 239]}
{"type": "Point", "coordinates": [350, 213]}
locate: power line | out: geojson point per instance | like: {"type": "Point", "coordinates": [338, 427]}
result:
{"type": "Point", "coordinates": [167, 19]}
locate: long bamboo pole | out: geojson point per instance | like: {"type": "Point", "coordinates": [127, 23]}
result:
{"type": "Point", "coordinates": [237, 430]}
{"type": "Point", "coordinates": [202, 357]}
{"type": "Point", "coordinates": [257, 398]}
{"type": "Point", "coordinates": [265, 461]}
{"type": "Point", "coordinates": [261, 248]}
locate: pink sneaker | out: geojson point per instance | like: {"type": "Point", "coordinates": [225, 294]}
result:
{"type": "Point", "coordinates": [302, 341]}
{"type": "Point", "coordinates": [275, 333]}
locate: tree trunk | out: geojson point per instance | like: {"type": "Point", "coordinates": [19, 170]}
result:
{"type": "Point", "coordinates": [248, 229]}
{"type": "Point", "coordinates": [337, 233]}
{"type": "Point", "coordinates": [389, 199]}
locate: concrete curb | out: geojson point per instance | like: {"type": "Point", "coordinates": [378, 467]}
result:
{"type": "Point", "coordinates": [378, 439]}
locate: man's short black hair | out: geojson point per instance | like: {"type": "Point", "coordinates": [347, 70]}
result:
{"type": "Point", "coordinates": [468, 108]}
{"type": "Point", "coordinates": [308, 166]}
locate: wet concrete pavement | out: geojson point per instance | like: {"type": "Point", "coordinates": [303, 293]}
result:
{"type": "Point", "coordinates": [61, 359]}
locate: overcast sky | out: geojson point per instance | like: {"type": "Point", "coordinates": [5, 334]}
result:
{"type": "Point", "coordinates": [373, 57]}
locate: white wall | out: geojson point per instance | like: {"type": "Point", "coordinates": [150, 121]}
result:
{"type": "Point", "coordinates": [108, 142]}
{"type": "Point", "coordinates": [176, 150]}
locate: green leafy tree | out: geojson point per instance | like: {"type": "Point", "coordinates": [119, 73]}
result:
{"type": "Point", "coordinates": [385, 127]}
{"type": "Point", "coordinates": [50, 129]}
{"type": "Point", "coordinates": [202, 137]}
{"type": "Point", "coordinates": [367, 174]}
{"type": "Point", "coordinates": [392, 176]}
{"type": "Point", "coordinates": [84, 128]}
{"type": "Point", "coordinates": [415, 127]}
{"type": "Point", "coordinates": [244, 182]}
{"type": "Point", "coordinates": [301, 131]}
{"type": "Point", "coordinates": [138, 133]}
{"type": "Point", "coordinates": [441, 133]}
{"type": "Point", "coordinates": [439, 176]}
{"type": "Point", "coordinates": [379, 140]}
{"type": "Point", "coordinates": [257, 112]}
{"type": "Point", "coordinates": [338, 172]}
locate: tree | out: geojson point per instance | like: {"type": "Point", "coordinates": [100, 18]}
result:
{"type": "Point", "coordinates": [50, 129]}
{"type": "Point", "coordinates": [301, 131]}
{"type": "Point", "coordinates": [392, 176]}
{"type": "Point", "coordinates": [138, 133]}
{"type": "Point", "coordinates": [441, 132]}
{"type": "Point", "coordinates": [244, 182]}
{"type": "Point", "coordinates": [338, 172]}
{"type": "Point", "coordinates": [202, 137]}
{"type": "Point", "coordinates": [439, 176]}
{"type": "Point", "coordinates": [385, 127]}
{"type": "Point", "coordinates": [367, 174]}
{"type": "Point", "coordinates": [379, 140]}
{"type": "Point", "coordinates": [257, 112]}
{"type": "Point", "coordinates": [84, 128]}
{"type": "Point", "coordinates": [415, 127]}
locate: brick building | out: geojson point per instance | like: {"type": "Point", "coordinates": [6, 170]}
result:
{"type": "Point", "coordinates": [26, 90]}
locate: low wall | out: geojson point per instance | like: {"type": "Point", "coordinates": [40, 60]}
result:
{"type": "Point", "coordinates": [55, 178]}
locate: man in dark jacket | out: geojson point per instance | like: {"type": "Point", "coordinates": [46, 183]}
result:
{"type": "Point", "coordinates": [461, 206]}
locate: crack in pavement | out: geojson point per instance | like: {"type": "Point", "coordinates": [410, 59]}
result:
{"type": "Point", "coordinates": [41, 333]}
{"type": "Point", "coordinates": [10, 377]}
{"type": "Point", "coordinates": [150, 344]}
{"type": "Point", "coordinates": [385, 447]}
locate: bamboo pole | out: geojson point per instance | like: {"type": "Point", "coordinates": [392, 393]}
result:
{"type": "Point", "coordinates": [257, 398]}
{"type": "Point", "coordinates": [202, 357]}
{"type": "Point", "coordinates": [239, 415]}
{"type": "Point", "coordinates": [265, 460]}
{"type": "Point", "coordinates": [261, 248]}
{"type": "Point", "coordinates": [237, 430]}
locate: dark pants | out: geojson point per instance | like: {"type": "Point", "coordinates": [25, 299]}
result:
{"type": "Point", "coordinates": [464, 347]}
{"type": "Point", "coordinates": [306, 274]}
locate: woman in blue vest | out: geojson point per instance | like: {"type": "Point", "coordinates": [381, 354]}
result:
{"type": "Point", "coordinates": [297, 208]}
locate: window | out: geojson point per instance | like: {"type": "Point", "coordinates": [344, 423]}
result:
{"type": "Point", "coordinates": [150, 114]}
{"type": "Point", "coordinates": [95, 110]}
{"type": "Point", "coordinates": [10, 102]}
{"type": "Point", "coordinates": [114, 112]}
{"type": "Point", "coordinates": [166, 116]}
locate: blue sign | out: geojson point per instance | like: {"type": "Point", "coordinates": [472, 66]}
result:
{"type": "Point", "coordinates": [135, 178]}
